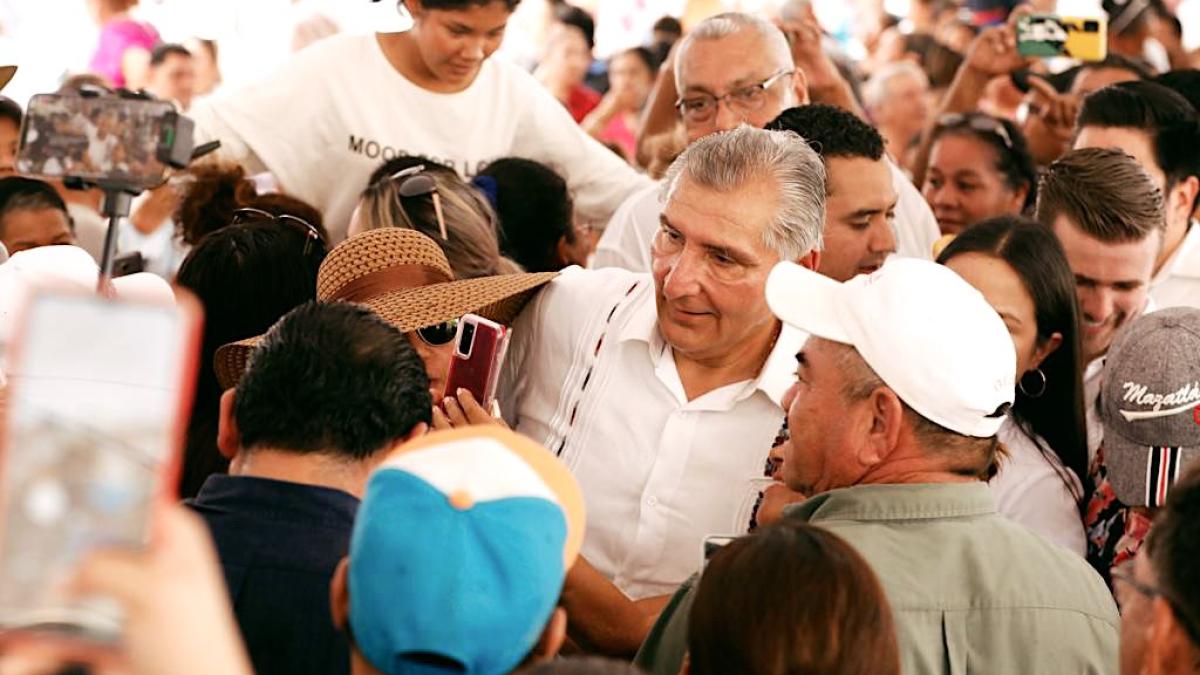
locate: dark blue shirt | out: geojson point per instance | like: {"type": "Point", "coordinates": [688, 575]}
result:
{"type": "Point", "coordinates": [279, 544]}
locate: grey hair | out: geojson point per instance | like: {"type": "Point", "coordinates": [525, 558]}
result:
{"type": "Point", "coordinates": [731, 23]}
{"type": "Point", "coordinates": [876, 89]}
{"type": "Point", "coordinates": [727, 161]}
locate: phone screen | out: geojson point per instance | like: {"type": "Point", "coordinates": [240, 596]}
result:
{"type": "Point", "coordinates": [96, 397]}
{"type": "Point", "coordinates": [93, 138]}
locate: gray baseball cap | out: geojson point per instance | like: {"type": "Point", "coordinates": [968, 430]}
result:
{"type": "Point", "coordinates": [1150, 405]}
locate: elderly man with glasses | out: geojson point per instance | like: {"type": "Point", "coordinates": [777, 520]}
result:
{"type": "Point", "coordinates": [663, 391]}
{"type": "Point", "coordinates": [737, 69]}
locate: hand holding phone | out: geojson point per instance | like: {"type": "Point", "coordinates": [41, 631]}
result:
{"type": "Point", "coordinates": [96, 411]}
{"type": "Point", "coordinates": [479, 349]}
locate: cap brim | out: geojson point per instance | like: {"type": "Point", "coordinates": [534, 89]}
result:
{"type": "Point", "coordinates": [1141, 475]}
{"type": "Point", "coordinates": [6, 75]}
{"type": "Point", "coordinates": [498, 298]}
{"type": "Point", "coordinates": [809, 301]}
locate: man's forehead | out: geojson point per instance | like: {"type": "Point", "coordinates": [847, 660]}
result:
{"type": "Point", "coordinates": [739, 58]}
{"type": "Point", "coordinates": [869, 179]}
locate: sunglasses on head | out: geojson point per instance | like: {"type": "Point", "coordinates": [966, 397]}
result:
{"type": "Point", "coordinates": [980, 123]}
{"type": "Point", "coordinates": [414, 182]}
{"type": "Point", "coordinates": [439, 334]}
{"type": "Point", "coordinates": [311, 233]}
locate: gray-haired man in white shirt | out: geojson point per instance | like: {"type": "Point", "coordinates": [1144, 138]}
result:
{"type": "Point", "coordinates": [663, 391]}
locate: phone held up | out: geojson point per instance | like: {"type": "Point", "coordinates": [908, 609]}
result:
{"type": "Point", "coordinates": [711, 545]}
{"type": "Point", "coordinates": [1048, 36]}
{"type": "Point", "coordinates": [479, 349]}
{"type": "Point", "coordinates": [97, 403]}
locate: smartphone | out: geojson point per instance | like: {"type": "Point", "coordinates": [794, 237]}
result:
{"type": "Point", "coordinates": [479, 349]}
{"type": "Point", "coordinates": [131, 263]}
{"type": "Point", "coordinates": [96, 413]}
{"type": "Point", "coordinates": [1045, 35]}
{"type": "Point", "coordinates": [97, 138]}
{"type": "Point", "coordinates": [711, 544]}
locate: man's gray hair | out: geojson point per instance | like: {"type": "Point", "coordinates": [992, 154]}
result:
{"type": "Point", "coordinates": [875, 91]}
{"type": "Point", "coordinates": [729, 160]}
{"type": "Point", "coordinates": [730, 23]}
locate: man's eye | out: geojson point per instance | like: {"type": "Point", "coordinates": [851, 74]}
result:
{"type": "Point", "coordinates": [747, 93]}
{"type": "Point", "coordinates": [696, 104]}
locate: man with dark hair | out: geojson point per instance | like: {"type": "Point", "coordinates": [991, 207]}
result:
{"type": "Point", "coordinates": [894, 415]}
{"type": "Point", "coordinates": [329, 392]}
{"type": "Point", "coordinates": [32, 214]}
{"type": "Point", "coordinates": [860, 201]}
{"type": "Point", "coordinates": [1159, 593]}
{"type": "Point", "coordinates": [10, 134]}
{"type": "Point", "coordinates": [172, 76]}
{"type": "Point", "coordinates": [1161, 130]}
{"type": "Point", "coordinates": [1184, 82]}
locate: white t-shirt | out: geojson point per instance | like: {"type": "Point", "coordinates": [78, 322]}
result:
{"type": "Point", "coordinates": [626, 241]}
{"type": "Point", "coordinates": [589, 376]}
{"type": "Point", "coordinates": [1030, 490]}
{"type": "Point", "coordinates": [338, 110]}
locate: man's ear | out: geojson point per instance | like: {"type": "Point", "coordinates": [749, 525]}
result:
{"type": "Point", "coordinates": [811, 260]}
{"type": "Point", "coordinates": [1168, 646]}
{"type": "Point", "coordinates": [553, 636]}
{"type": "Point", "coordinates": [229, 439]}
{"type": "Point", "coordinates": [416, 432]}
{"type": "Point", "coordinates": [800, 85]}
{"type": "Point", "coordinates": [1183, 195]}
{"type": "Point", "coordinates": [886, 413]}
{"type": "Point", "coordinates": [339, 595]}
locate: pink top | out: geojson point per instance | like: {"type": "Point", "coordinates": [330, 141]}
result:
{"type": "Point", "coordinates": [117, 36]}
{"type": "Point", "coordinates": [618, 132]}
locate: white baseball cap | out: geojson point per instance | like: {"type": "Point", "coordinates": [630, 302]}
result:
{"type": "Point", "coordinates": [926, 332]}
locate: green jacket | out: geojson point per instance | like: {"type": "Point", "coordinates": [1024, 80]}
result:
{"type": "Point", "coordinates": [971, 591]}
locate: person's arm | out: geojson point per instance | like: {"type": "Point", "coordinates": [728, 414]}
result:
{"type": "Point", "coordinates": [598, 178]}
{"type": "Point", "coordinates": [660, 115]}
{"type": "Point", "coordinates": [614, 103]}
{"type": "Point", "coordinates": [825, 83]}
{"type": "Point", "coordinates": [993, 53]}
{"type": "Point", "coordinates": [601, 618]}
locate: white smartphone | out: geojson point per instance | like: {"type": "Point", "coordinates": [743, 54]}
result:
{"type": "Point", "coordinates": [96, 412]}
{"type": "Point", "coordinates": [711, 545]}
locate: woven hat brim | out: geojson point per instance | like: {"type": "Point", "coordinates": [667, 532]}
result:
{"type": "Point", "coordinates": [6, 75]}
{"type": "Point", "coordinates": [499, 298]}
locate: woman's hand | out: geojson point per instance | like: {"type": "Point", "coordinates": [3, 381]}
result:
{"type": "Point", "coordinates": [462, 410]}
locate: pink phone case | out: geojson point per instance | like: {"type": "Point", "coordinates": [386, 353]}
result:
{"type": "Point", "coordinates": [478, 354]}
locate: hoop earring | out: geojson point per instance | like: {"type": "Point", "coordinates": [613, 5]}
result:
{"type": "Point", "coordinates": [1041, 390]}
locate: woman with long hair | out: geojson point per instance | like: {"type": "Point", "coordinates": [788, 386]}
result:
{"type": "Point", "coordinates": [1021, 269]}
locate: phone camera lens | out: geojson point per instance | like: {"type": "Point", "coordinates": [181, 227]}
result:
{"type": "Point", "coordinates": [468, 338]}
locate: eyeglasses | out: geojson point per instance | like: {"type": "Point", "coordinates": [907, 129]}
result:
{"type": "Point", "coordinates": [981, 123]}
{"type": "Point", "coordinates": [750, 98]}
{"type": "Point", "coordinates": [670, 243]}
{"type": "Point", "coordinates": [311, 233]}
{"type": "Point", "coordinates": [439, 334]}
{"type": "Point", "coordinates": [413, 182]}
{"type": "Point", "coordinates": [1123, 578]}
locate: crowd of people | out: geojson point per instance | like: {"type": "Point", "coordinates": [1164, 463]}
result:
{"type": "Point", "coordinates": [917, 333]}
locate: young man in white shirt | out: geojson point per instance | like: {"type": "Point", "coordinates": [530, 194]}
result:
{"type": "Point", "coordinates": [1108, 214]}
{"type": "Point", "coordinates": [748, 63]}
{"type": "Point", "coordinates": [351, 102]}
{"type": "Point", "coordinates": [1160, 129]}
{"type": "Point", "coordinates": [663, 391]}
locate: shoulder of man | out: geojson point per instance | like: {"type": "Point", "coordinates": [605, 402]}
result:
{"type": "Point", "coordinates": [626, 239]}
{"type": "Point", "coordinates": [663, 651]}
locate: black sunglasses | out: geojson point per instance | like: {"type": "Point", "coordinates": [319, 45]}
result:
{"type": "Point", "coordinates": [311, 233]}
{"type": "Point", "coordinates": [439, 334]}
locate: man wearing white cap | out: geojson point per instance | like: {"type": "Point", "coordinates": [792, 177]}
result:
{"type": "Point", "coordinates": [893, 421]}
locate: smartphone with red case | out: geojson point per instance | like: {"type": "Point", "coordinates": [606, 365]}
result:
{"type": "Point", "coordinates": [479, 349]}
{"type": "Point", "coordinates": [96, 411]}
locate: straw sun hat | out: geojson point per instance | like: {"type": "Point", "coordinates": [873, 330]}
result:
{"type": "Point", "coordinates": [403, 276]}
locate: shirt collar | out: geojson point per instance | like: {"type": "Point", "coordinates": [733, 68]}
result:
{"type": "Point", "coordinates": [280, 500]}
{"type": "Point", "coordinates": [1185, 262]}
{"type": "Point", "coordinates": [777, 374]}
{"type": "Point", "coordinates": [923, 501]}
